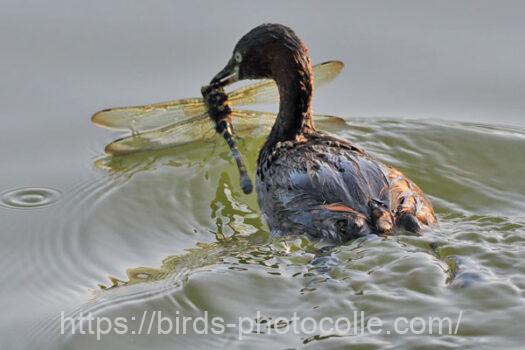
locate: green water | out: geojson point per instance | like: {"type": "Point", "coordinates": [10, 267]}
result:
{"type": "Point", "coordinates": [172, 231]}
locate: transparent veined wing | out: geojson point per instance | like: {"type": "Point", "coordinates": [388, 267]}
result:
{"type": "Point", "coordinates": [201, 128]}
{"type": "Point", "coordinates": [198, 128]}
{"type": "Point", "coordinates": [245, 120]}
{"type": "Point", "coordinates": [154, 116]}
{"type": "Point", "coordinates": [266, 91]}
{"type": "Point", "coordinates": [149, 117]}
{"type": "Point", "coordinates": [193, 129]}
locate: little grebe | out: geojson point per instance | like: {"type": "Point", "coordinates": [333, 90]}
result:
{"type": "Point", "coordinates": [308, 181]}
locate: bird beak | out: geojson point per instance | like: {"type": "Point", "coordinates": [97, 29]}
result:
{"type": "Point", "coordinates": [228, 75]}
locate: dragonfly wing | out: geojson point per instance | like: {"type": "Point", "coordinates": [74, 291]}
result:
{"type": "Point", "coordinates": [246, 120]}
{"type": "Point", "coordinates": [154, 116]}
{"type": "Point", "coordinates": [326, 72]}
{"type": "Point", "coordinates": [194, 129]}
{"type": "Point", "coordinates": [324, 121]}
{"type": "Point", "coordinates": [266, 91]}
{"type": "Point", "coordinates": [201, 128]}
{"type": "Point", "coordinates": [149, 117]}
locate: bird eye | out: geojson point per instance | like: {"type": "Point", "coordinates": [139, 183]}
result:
{"type": "Point", "coordinates": [238, 57]}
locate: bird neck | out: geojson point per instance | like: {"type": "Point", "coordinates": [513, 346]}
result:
{"type": "Point", "coordinates": [295, 83]}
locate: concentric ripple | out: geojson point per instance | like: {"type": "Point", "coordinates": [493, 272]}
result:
{"type": "Point", "coordinates": [29, 197]}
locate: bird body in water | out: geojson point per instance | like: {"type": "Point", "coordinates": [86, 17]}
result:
{"type": "Point", "coordinates": [309, 181]}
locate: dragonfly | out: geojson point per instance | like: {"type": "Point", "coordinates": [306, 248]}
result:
{"type": "Point", "coordinates": [177, 122]}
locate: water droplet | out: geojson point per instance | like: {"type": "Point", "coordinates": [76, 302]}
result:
{"type": "Point", "coordinates": [29, 197]}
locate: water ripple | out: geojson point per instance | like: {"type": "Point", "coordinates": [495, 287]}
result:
{"type": "Point", "coordinates": [29, 197]}
{"type": "Point", "coordinates": [172, 231]}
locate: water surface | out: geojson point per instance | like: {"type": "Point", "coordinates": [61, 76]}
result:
{"type": "Point", "coordinates": [172, 231]}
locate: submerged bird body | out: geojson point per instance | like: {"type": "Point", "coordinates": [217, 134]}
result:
{"type": "Point", "coordinates": [308, 181]}
{"type": "Point", "coordinates": [328, 188]}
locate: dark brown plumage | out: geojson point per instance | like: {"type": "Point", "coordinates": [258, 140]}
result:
{"type": "Point", "coordinates": [308, 181]}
